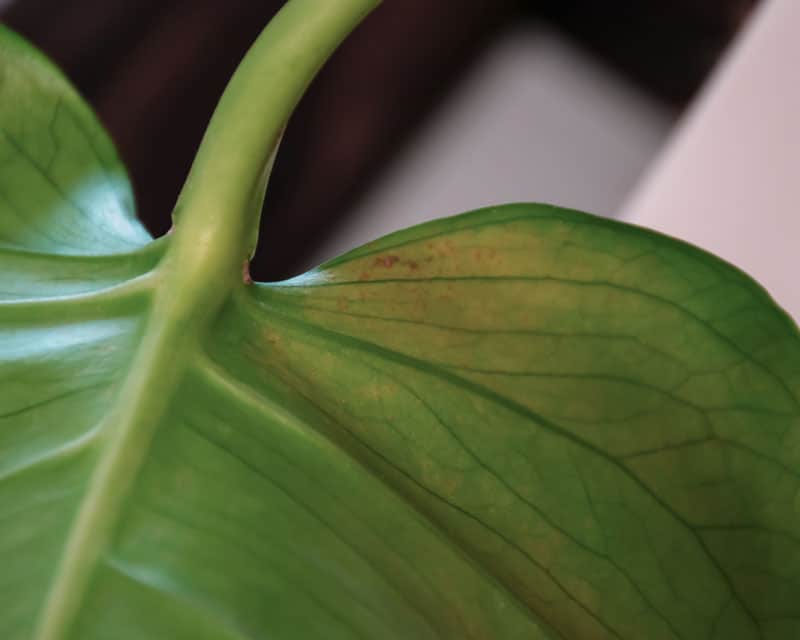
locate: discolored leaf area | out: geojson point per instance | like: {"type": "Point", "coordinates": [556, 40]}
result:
{"type": "Point", "coordinates": [523, 422]}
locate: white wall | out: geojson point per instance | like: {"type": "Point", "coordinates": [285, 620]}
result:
{"type": "Point", "coordinates": [729, 181]}
{"type": "Point", "coordinates": [534, 121]}
{"type": "Point", "coordinates": [539, 121]}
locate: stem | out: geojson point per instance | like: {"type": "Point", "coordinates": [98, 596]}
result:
{"type": "Point", "coordinates": [224, 191]}
{"type": "Point", "coordinates": [215, 228]}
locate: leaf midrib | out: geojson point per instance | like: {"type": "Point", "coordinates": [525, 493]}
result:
{"type": "Point", "coordinates": [179, 315]}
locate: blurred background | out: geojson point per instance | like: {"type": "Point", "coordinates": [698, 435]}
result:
{"type": "Point", "coordinates": [431, 108]}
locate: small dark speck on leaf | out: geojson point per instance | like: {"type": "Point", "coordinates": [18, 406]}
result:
{"type": "Point", "coordinates": [386, 261]}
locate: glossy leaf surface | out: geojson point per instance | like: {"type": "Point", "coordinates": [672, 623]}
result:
{"type": "Point", "coordinates": [522, 422]}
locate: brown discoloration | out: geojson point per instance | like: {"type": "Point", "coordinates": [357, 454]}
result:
{"type": "Point", "coordinates": [413, 265]}
{"type": "Point", "coordinates": [246, 278]}
{"type": "Point", "coordinates": [386, 261]}
{"type": "Point", "coordinates": [443, 248]}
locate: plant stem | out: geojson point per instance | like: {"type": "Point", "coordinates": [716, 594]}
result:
{"type": "Point", "coordinates": [215, 229]}
{"type": "Point", "coordinates": [224, 191]}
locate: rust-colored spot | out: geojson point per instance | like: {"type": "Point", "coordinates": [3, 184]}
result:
{"type": "Point", "coordinates": [246, 278]}
{"type": "Point", "coordinates": [386, 261]}
{"type": "Point", "coordinates": [413, 265]}
{"type": "Point", "coordinates": [364, 275]}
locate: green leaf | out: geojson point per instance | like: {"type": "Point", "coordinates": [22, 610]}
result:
{"type": "Point", "coordinates": [521, 422]}
{"type": "Point", "coordinates": [62, 188]}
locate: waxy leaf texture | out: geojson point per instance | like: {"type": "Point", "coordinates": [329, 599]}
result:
{"type": "Point", "coordinates": [523, 422]}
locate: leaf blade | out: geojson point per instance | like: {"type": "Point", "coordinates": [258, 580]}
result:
{"type": "Point", "coordinates": [522, 422]}
{"type": "Point", "coordinates": [62, 188]}
{"type": "Point", "coordinates": [661, 308]}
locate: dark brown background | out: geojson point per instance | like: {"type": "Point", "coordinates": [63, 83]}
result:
{"type": "Point", "coordinates": [154, 69]}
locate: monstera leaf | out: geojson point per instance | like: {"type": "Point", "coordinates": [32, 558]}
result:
{"type": "Point", "coordinates": [522, 422]}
